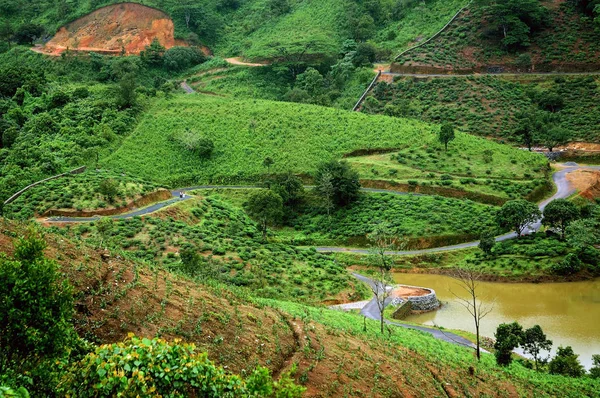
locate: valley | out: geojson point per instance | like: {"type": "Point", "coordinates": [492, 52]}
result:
{"type": "Point", "coordinates": [213, 219]}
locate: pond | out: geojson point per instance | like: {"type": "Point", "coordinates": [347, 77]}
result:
{"type": "Point", "coordinates": [569, 313]}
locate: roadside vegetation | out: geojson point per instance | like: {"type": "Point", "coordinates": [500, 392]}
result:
{"type": "Point", "coordinates": [91, 190]}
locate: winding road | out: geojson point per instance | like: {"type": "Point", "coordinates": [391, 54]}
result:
{"type": "Point", "coordinates": [564, 190]}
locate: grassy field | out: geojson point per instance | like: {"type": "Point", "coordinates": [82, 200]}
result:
{"type": "Point", "coordinates": [297, 137]}
{"type": "Point", "coordinates": [487, 105]}
{"type": "Point", "coordinates": [568, 42]}
{"type": "Point", "coordinates": [79, 192]}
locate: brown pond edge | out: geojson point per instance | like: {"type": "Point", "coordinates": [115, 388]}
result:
{"type": "Point", "coordinates": [156, 196]}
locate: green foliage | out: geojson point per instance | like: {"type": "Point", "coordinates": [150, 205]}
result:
{"type": "Point", "coordinates": [143, 367]}
{"type": "Point", "coordinates": [406, 216]}
{"type": "Point", "coordinates": [571, 264]}
{"type": "Point", "coordinates": [515, 19]}
{"type": "Point", "coordinates": [337, 182]}
{"type": "Point", "coordinates": [534, 342]}
{"type": "Point", "coordinates": [595, 370]}
{"type": "Point", "coordinates": [487, 241]}
{"type": "Point", "coordinates": [180, 58]}
{"type": "Point", "coordinates": [297, 137]}
{"type": "Point", "coordinates": [566, 363]}
{"type": "Point", "coordinates": [109, 188]}
{"type": "Point", "coordinates": [515, 103]}
{"type": "Point", "coordinates": [78, 192]}
{"type": "Point", "coordinates": [6, 392]}
{"type": "Point", "coordinates": [36, 307]}
{"type": "Point", "coordinates": [559, 214]}
{"type": "Point", "coordinates": [446, 134]}
{"type": "Point", "coordinates": [265, 207]}
{"type": "Point", "coordinates": [288, 186]}
{"type": "Point", "coordinates": [517, 214]}
{"type": "Point", "coordinates": [508, 337]}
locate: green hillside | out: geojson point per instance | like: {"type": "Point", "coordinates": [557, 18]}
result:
{"type": "Point", "coordinates": [267, 29]}
{"type": "Point", "coordinates": [297, 137]}
{"type": "Point", "coordinates": [489, 106]}
{"type": "Point", "coordinates": [563, 38]}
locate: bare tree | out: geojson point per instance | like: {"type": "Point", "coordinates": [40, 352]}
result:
{"type": "Point", "coordinates": [382, 242]}
{"type": "Point", "coordinates": [468, 279]}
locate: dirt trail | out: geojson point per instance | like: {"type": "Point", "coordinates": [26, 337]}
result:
{"type": "Point", "coordinates": [238, 61]}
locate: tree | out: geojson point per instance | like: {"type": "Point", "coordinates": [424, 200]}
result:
{"type": "Point", "coordinates": [289, 187]}
{"type": "Point", "coordinates": [345, 182]}
{"type": "Point", "coordinates": [6, 32]}
{"type": "Point", "coordinates": [559, 213]}
{"type": "Point", "coordinates": [325, 189]}
{"type": "Point", "coordinates": [566, 363]}
{"type": "Point", "coordinates": [382, 241]}
{"type": "Point", "coordinates": [154, 53]}
{"type": "Point", "coordinates": [28, 33]}
{"type": "Point", "coordinates": [109, 188]}
{"type": "Point", "coordinates": [508, 337]}
{"type": "Point", "coordinates": [534, 342]}
{"type": "Point", "coordinates": [468, 279]}
{"type": "Point", "coordinates": [265, 207]}
{"type": "Point", "coordinates": [127, 96]}
{"type": "Point", "coordinates": [582, 234]}
{"type": "Point", "coordinates": [268, 162]}
{"type": "Point", "coordinates": [595, 370]}
{"type": "Point", "coordinates": [311, 81]}
{"type": "Point", "coordinates": [515, 19]}
{"type": "Point", "coordinates": [36, 306]}
{"type": "Point", "coordinates": [446, 134]}
{"type": "Point", "coordinates": [555, 136]}
{"type": "Point", "coordinates": [180, 58]}
{"type": "Point", "coordinates": [517, 214]}
{"type": "Point", "coordinates": [487, 241]}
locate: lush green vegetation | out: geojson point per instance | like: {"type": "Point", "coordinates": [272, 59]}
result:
{"type": "Point", "coordinates": [490, 106]}
{"type": "Point", "coordinates": [285, 30]}
{"type": "Point", "coordinates": [425, 221]}
{"type": "Point", "coordinates": [231, 249]}
{"type": "Point", "coordinates": [58, 114]}
{"type": "Point", "coordinates": [296, 137]}
{"type": "Point", "coordinates": [80, 192]}
{"type": "Point", "coordinates": [566, 40]}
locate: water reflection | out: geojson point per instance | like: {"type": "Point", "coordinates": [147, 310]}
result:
{"type": "Point", "coordinates": [569, 313]}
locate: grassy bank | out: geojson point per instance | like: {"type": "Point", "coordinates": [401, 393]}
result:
{"type": "Point", "coordinates": [297, 137]}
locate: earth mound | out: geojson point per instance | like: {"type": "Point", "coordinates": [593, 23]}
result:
{"type": "Point", "coordinates": [125, 27]}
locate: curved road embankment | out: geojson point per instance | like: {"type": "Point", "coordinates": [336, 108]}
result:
{"type": "Point", "coordinates": [371, 311]}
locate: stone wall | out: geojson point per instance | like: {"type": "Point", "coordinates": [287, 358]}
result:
{"type": "Point", "coordinates": [428, 302]}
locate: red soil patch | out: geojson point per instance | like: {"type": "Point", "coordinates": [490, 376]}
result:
{"type": "Point", "coordinates": [408, 291]}
{"type": "Point", "coordinates": [110, 30]}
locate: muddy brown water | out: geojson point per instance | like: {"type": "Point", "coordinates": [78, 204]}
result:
{"type": "Point", "coordinates": [569, 313]}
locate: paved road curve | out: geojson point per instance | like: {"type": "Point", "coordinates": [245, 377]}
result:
{"type": "Point", "coordinates": [157, 206]}
{"type": "Point", "coordinates": [564, 190]}
{"type": "Point", "coordinates": [371, 311]}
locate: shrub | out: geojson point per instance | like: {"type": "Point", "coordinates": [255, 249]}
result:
{"type": "Point", "coordinates": [570, 265]}
{"type": "Point", "coordinates": [143, 367]}
{"type": "Point", "coordinates": [566, 363]}
{"type": "Point", "coordinates": [179, 58]}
